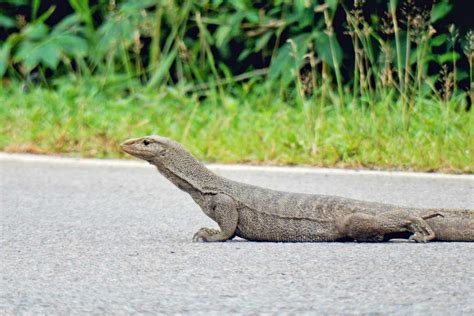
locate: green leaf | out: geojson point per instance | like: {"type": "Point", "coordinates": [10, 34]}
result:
{"type": "Point", "coordinates": [4, 56]}
{"type": "Point", "coordinates": [244, 54]}
{"type": "Point", "coordinates": [280, 62]}
{"type": "Point", "coordinates": [34, 8]}
{"type": "Point", "coordinates": [137, 5]}
{"type": "Point", "coordinates": [70, 22]}
{"type": "Point", "coordinates": [83, 10]}
{"type": "Point", "coordinates": [6, 22]}
{"type": "Point", "coordinates": [72, 45]}
{"type": "Point", "coordinates": [299, 6]}
{"type": "Point", "coordinates": [22, 51]}
{"type": "Point", "coordinates": [262, 41]}
{"type": "Point", "coordinates": [50, 54]}
{"type": "Point", "coordinates": [239, 5]}
{"type": "Point", "coordinates": [393, 5]}
{"type": "Point", "coordinates": [285, 59]}
{"type": "Point", "coordinates": [440, 10]}
{"type": "Point", "coordinates": [301, 42]}
{"type": "Point", "coordinates": [28, 55]}
{"type": "Point", "coordinates": [332, 4]}
{"type": "Point", "coordinates": [461, 75]}
{"type": "Point", "coordinates": [16, 2]}
{"type": "Point", "coordinates": [323, 48]}
{"type": "Point", "coordinates": [162, 70]}
{"type": "Point", "coordinates": [222, 35]}
{"type": "Point", "coordinates": [216, 3]}
{"type": "Point", "coordinates": [46, 15]}
{"type": "Point", "coordinates": [252, 16]}
{"type": "Point", "coordinates": [35, 31]}
{"type": "Point", "coordinates": [439, 40]}
{"type": "Point", "coordinates": [447, 57]}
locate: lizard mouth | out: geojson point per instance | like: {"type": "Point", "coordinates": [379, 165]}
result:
{"type": "Point", "coordinates": [127, 146]}
{"type": "Point", "coordinates": [132, 147]}
{"type": "Point", "coordinates": [129, 142]}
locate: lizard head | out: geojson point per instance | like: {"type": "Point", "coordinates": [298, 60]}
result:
{"type": "Point", "coordinates": [149, 148]}
{"type": "Point", "coordinates": [173, 161]}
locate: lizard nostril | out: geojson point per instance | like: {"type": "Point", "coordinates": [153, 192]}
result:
{"type": "Point", "coordinates": [128, 142]}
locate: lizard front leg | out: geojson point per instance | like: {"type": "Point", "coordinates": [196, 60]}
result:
{"type": "Point", "coordinates": [365, 227]}
{"type": "Point", "coordinates": [223, 210]}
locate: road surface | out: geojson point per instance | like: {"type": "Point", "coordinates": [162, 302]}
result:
{"type": "Point", "coordinates": [112, 237]}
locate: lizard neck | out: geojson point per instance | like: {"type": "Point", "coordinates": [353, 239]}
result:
{"type": "Point", "coordinates": [189, 175]}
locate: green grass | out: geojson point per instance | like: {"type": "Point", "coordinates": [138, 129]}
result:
{"type": "Point", "coordinates": [246, 123]}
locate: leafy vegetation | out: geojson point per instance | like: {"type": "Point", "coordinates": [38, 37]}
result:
{"type": "Point", "coordinates": [250, 126]}
{"type": "Point", "coordinates": [283, 82]}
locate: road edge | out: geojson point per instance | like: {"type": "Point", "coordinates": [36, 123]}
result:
{"type": "Point", "coordinates": [27, 158]}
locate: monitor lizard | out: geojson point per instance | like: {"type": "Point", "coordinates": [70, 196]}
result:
{"type": "Point", "coordinates": [260, 214]}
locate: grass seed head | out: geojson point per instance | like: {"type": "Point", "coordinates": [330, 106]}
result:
{"type": "Point", "coordinates": [447, 80]}
{"type": "Point", "coordinates": [387, 24]}
{"type": "Point", "coordinates": [468, 47]}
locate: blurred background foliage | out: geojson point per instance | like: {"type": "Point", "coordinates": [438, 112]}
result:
{"type": "Point", "coordinates": [213, 42]}
{"type": "Point", "coordinates": [341, 70]}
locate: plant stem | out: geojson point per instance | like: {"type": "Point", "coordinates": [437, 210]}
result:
{"type": "Point", "coordinates": [210, 56]}
{"type": "Point", "coordinates": [396, 29]}
{"type": "Point", "coordinates": [356, 70]}
{"type": "Point", "coordinates": [155, 48]}
{"type": "Point", "coordinates": [330, 32]}
{"type": "Point", "coordinates": [454, 67]}
{"type": "Point", "coordinates": [407, 60]}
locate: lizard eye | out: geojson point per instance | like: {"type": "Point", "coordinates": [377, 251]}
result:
{"type": "Point", "coordinates": [146, 142]}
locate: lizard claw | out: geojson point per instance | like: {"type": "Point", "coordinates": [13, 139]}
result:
{"type": "Point", "coordinates": [198, 238]}
{"type": "Point", "coordinates": [418, 238]}
{"type": "Point", "coordinates": [204, 233]}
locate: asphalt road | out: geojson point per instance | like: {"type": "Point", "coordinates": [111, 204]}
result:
{"type": "Point", "coordinates": [115, 238]}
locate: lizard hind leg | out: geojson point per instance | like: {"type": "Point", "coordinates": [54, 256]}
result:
{"type": "Point", "coordinates": [376, 228]}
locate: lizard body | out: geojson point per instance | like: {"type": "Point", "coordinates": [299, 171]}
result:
{"type": "Point", "coordinates": [261, 214]}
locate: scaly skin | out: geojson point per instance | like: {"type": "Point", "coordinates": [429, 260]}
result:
{"type": "Point", "coordinates": [260, 214]}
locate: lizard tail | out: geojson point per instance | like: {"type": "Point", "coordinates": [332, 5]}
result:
{"type": "Point", "coordinates": [451, 224]}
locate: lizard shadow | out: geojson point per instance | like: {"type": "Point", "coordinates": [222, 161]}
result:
{"type": "Point", "coordinates": [392, 237]}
